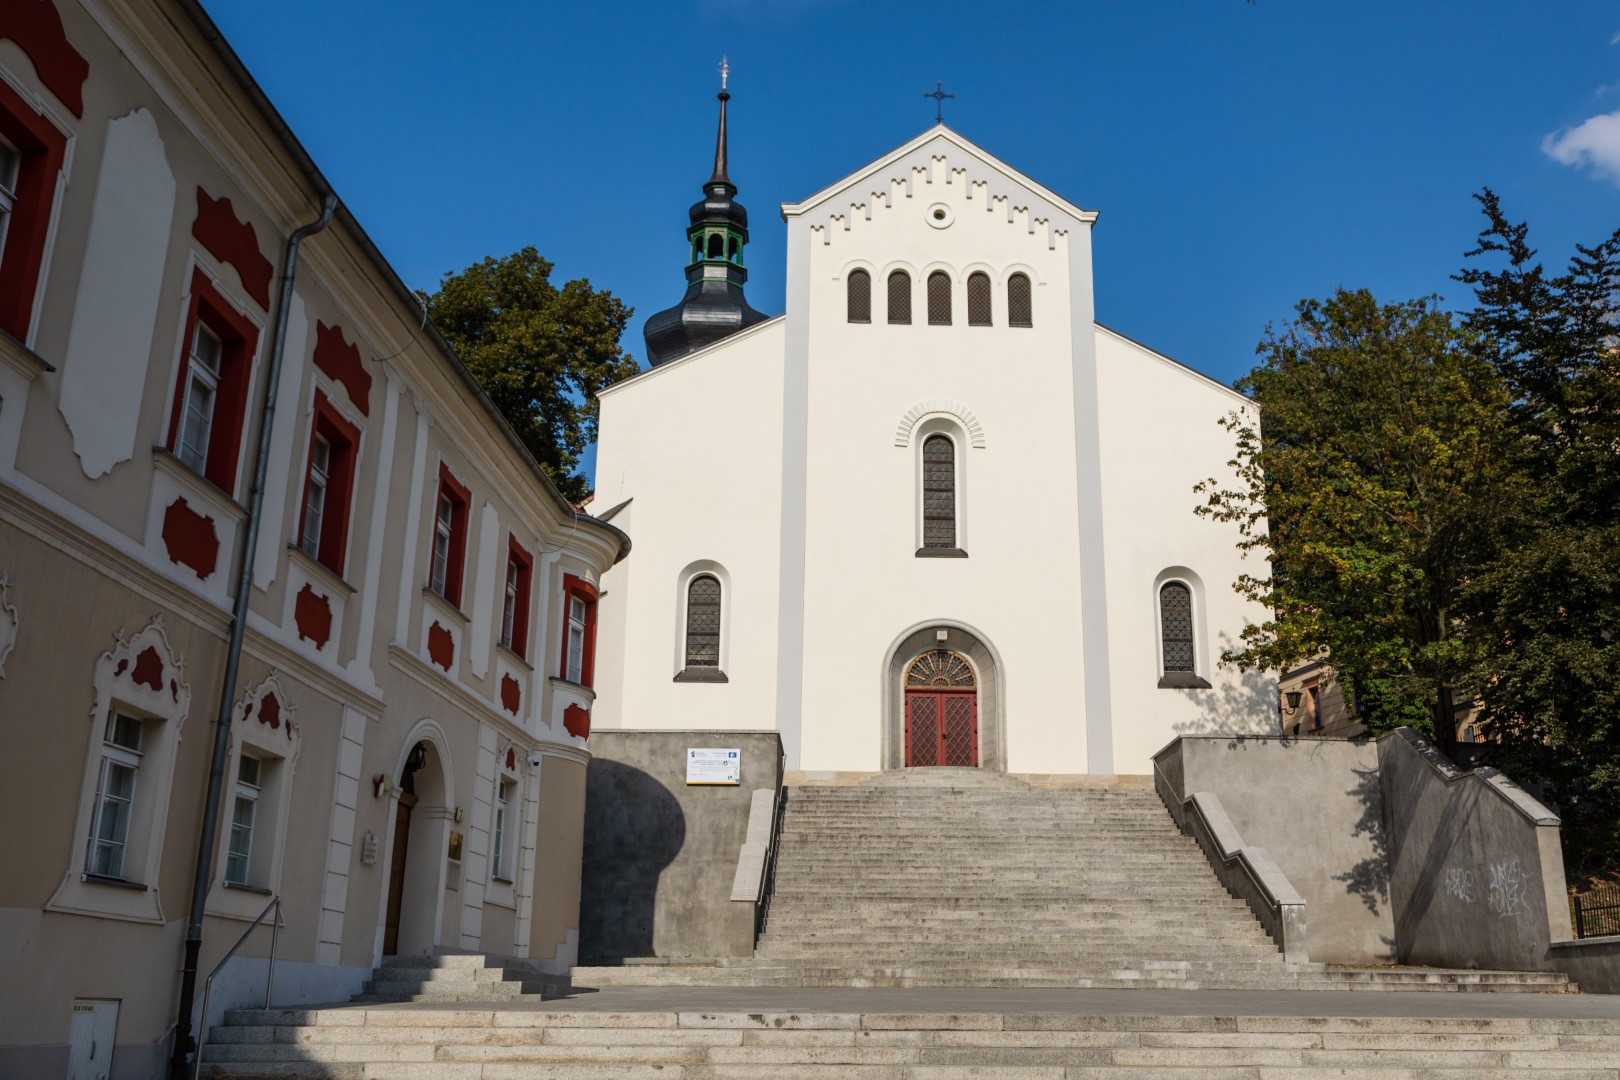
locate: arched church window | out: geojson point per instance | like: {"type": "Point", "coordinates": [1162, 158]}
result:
{"type": "Point", "coordinates": [900, 298]}
{"type": "Point", "coordinates": [860, 296]}
{"type": "Point", "coordinates": [978, 299]}
{"type": "Point", "coordinates": [939, 298]}
{"type": "Point", "coordinates": [717, 246]}
{"type": "Point", "coordinates": [1176, 626]}
{"type": "Point", "coordinates": [735, 253]}
{"type": "Point", "coordinates": [939, 493]}
{"type": "Point", "coordinates": [703, 628]}
{"type": "Point", "coordinates": [1019, 302]}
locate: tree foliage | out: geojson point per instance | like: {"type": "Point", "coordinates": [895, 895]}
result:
{"type": "Point", "coordinates": [1374, 495]}
{"type": "Point", "coordinates": [1545, 615]}
{"type": "Point", "coordinates": [539, 351]}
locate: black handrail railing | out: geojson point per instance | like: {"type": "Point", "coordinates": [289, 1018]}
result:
{"type": "Point", "coordinates": [269, 975]}
{"type": "Point", "coordinates": [1596, 913]}
{"type": "Point", "coordinates": [768, 887]}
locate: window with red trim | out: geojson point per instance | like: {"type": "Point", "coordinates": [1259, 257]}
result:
{"type": "Point", "coordinates": [515, 598]}
{"type": "Point", "coordinates": [449, 536]}
{"type": "Point", "coordinates": [323, 526]}
{"type": "Point", "coordinates": [579, 630]}
{"type": "Point", "coordinates": [210, 392]}
{"type": "Point", "coordinates": [31, 151]}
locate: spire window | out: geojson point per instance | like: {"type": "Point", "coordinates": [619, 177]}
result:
{"type": "Point", "coordinates": [900, 298]}
{"type": "Point", "coordinates": [859, 285]}
{"type": "Point", "coordinates": [978, 299]}
{"type": "Point", "coordinates": [1019, 302]}
{"type": "Point", "coordinates": [939, 298]}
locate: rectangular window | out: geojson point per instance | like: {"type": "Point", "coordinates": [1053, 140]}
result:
{"type": "Point", "coordinates": [239, 852]}
{"type": "Point", "coordinates": [323, 534]}
{"type": "Point", "coordinates": [210, 395]}
{"type": "Point", "coordinates": [449, 537]}
{"type": "Point", "coordinates": [115, 797]}
{"type": "Point", "coordinates": [515, 602]}
{"type": "Point", "coordinates": [503, 801]}
{"type": "Point", "coordinates": [579, 630]}
{"type": "Point", "coordinates": [32, 150]}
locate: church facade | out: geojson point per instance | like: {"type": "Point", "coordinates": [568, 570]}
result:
{"type": "Point", "coordinates": [933, 513]}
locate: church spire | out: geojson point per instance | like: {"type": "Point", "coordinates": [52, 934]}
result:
{"type": "Point", "coordinates": [720, 176]}
{"type": "Point", "coordinates": [714, 305]}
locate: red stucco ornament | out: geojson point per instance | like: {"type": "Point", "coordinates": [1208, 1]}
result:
{"type": "Point", "coordinates": [312, 613]}
{"type": "Point", "coordinates": [190, 539]}
{"type": "Point", "coordinates": [577, 721]}
{"type": "Point", "coordinates": [231, 240]}
{"type": "Point", "coordinates": [441, 646]}
{"type": "Point", "coordinates": [511, 694]}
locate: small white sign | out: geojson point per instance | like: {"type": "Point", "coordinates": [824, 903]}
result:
{"type": "Point", "coordinates": [710, 766]}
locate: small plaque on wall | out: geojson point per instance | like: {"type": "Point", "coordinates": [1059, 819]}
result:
{"type": "Point", "coordinates": [713, 767]}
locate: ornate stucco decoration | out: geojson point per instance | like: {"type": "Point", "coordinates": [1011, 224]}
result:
{"type": "Point", "coordinates": [939, 407]}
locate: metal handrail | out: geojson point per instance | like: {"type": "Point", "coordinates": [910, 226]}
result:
{"type": "Point", "coordinates": [269, 975]}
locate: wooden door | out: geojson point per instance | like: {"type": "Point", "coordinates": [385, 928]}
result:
{"type": "Point", "coordinates": [396, 872]}
{"type": "Point", "coordinates": [942, 728]}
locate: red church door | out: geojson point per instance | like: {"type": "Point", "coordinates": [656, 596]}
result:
{"type": "Point", "coordinates": [942, 712]}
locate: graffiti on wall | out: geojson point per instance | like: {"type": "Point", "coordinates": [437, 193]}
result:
{"type": "Point", "coordinates": [1508, 885]}
{"type": "Point", "coordinates": [1460, 883]}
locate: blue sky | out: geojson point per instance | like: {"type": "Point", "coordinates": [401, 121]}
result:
{"type": "Point", "coordinates": [1242, 156]}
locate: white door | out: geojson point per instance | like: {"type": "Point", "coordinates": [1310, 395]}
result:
{"type": "Point", "coordinates": [90, 1039]}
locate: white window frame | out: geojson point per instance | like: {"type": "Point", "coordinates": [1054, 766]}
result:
{"type": "Point", "coordinates": [575, 670]}
{"type": "Point", "coordinates": [276, 749]}
{"type": "Point", "coordinates": [162, 713]}
{"type": "Point", "coordinates": [953, 430]}
{"type": "Point", "coordinates": [114, 755]}
{"type": "Point", "coordinates": [1181, 575]}
{"type": "Point", "coordinates": [318, 479]}
{"type": "Point", "coordinates": [444, 530]}
{"type": "Point", "coordinates": [246, 793]}
{"type": "Point", "coordinates": [500, 831]}
{"type": "Point", "coordinates": [8, 188]}
{"type": "Point", "coordinates": [199, 374]}
{"type": "Point", "coordinates": [683, 587]}
{"type": "Point", "coordinates": [509, 602]}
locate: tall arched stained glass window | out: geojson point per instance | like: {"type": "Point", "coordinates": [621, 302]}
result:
{"type": "Point", "coordinates": [978, 299]}
{"type": "Point", "coordinates": [1020, 305]}
{"type": "Point", "coordinates": [860, 296]}
{"type": "Point", "coordinates": [939, 492]}
{"type": "Point", "coordinates": [1176, 626]}
{"type": "Point", "coordinates": [900, 298]}
{"type": "Point", "coordinates": [703, 622]}
{"type": "Point", "coordinates": [939, 298]}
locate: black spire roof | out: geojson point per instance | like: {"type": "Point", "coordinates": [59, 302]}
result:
{"type": "Point", "coordinates": [714, 306]}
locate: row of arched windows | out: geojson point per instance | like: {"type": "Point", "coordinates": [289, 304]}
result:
{"type": "Point", "coordinates": [980, 306]}
{"type": "Point", "coordinates": [1177, 653]}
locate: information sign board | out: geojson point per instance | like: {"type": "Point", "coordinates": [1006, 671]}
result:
{"type": "Point", "coordinates": [712, 766]}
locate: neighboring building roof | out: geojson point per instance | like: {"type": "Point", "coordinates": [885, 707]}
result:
{"type": "Point", "coordinates": [385, 271]}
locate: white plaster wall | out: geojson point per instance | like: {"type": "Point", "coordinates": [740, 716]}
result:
{"type": "Point", "coordinates": [1160, 437]}
{"type": "Point", "coordinates": [1019, 586]}
{"type": "Point", "coordinates": [697, 444]}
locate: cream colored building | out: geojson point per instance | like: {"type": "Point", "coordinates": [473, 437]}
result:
{"type": "Point", "coordinates": [934, 513]}
{"type": "Point", "coordinates": [408, 733]}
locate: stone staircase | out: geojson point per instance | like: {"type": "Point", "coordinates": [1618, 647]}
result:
{"type": "Point", "coordinates": [964, 877]}
{"type": "Point", "coordinates": [405, 1043]}
{"type": "Point", "coordinates": [471, 977]}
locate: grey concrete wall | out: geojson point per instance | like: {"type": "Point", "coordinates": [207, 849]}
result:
{"type": "Point", "coordinates": [1476, 870]}
{"type": "Point", "coordinates": [659, 856]}
{"type": "Point", "coordinates": [1593, 963]}
{"type": "Point", "coordinates": [1316, 805]}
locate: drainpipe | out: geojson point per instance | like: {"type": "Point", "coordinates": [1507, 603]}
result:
{"type": "Point", "coordinates": [183, 1041]}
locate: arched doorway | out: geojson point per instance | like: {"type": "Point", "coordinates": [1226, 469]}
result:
{"type": "Point", "coordinates": [417, 852]}
{"type": "Point", "coordinates": [942, 711]}
{"type": "Point", "coordinates": [988, 689]}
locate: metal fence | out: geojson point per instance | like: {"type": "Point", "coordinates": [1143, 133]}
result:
{"type": "Point", "coordinates": [1596, 913]}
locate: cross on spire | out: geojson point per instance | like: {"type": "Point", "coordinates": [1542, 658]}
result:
{"type": "Point", "coordinates": [939, 95]}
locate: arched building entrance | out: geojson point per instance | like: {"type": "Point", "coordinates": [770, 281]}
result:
{"type": "Point", "coordinates": [943, 692]}
{"type": "Point", "coordinates": [942, 711]}
{"type": "Point", "coordinates": [418, 844]}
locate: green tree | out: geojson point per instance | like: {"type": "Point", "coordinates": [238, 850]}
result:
{"type": "Point", "coordinates": [1374, 494]}
{"type": "Point", "coordinates": [539, 351]}
{"type": "Point", "coordinates": [1546, 612]}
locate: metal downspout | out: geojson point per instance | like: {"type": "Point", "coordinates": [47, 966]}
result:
{"type": "Point", "coordinates": [183, 1042]}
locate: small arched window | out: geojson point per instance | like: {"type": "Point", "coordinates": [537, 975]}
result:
{"type": "Point", "coordinates": [979, 299]}
{"type": "Point", "coordinates": [939, 298]}
{"type": "Point", "coordinates": [1019, 303]}
{"type": "Point", "coordinates": [1176, 637]}
{"type": "Point", "coordinates": [717, 246]}
{"type": "Point", "coordinates": [703, 623]}
{"type": "Point", "coordinates": [860, 296]}
{"type": "Point", "coordinates": [938, 495]}
{"type": "Point", "coordinates": [900, 298]}
{"type": "Point", "coordinates": [736, 250]}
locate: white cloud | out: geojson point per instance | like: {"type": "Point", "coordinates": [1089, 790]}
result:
{"type": "Point", "coordinates": [1616, 39]}
{"type": "Point", "coordinates": [1593, 143]}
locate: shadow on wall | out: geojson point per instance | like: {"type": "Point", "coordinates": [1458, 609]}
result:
{"type": "Point", "coordinates": [634, 828]}
{"type": "Point", "coordinates": [1247, 703]}
{"type": "Point", "coordinates": [1369, 878]}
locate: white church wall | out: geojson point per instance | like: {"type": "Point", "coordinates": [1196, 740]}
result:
{"type": "Point", "coordinates": [1160, 437]}
{"type": "Point", "coordinates": [696, 444]}
{"type": "Point", "coordinates": [1019, 585]}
